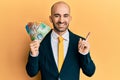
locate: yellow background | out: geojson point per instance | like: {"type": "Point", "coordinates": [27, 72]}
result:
{"type": "Point", "coordinates": [100, 17]}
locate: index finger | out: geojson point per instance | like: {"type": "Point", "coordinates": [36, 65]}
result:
{"type": "Point", "coordinates": [87, 36]}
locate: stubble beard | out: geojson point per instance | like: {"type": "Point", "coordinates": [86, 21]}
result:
{"type": "Point", "coordinates": [58, 30]}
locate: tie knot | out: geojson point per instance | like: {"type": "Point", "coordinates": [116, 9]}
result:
{"type": "Point", "coordinates": [60, 38]}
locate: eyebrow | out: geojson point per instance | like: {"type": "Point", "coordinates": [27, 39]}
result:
{"type": "Point", "coordinates": [56, 14]}
{"type": "Point", "coordinates": [59, 14]}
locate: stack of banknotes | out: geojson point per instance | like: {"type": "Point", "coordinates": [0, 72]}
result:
{"type": "Point", "coordinates": [37, 31]}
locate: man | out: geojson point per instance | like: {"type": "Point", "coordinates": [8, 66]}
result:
{"type": "Point", "coordinates": [44, 56]}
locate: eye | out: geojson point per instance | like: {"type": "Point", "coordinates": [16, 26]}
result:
{"type": "Point", "coordinates": [56, 15]}
{"type": "Point", "coordinates": [66, 15]}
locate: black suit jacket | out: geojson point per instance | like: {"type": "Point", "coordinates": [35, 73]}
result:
{"type": "Point", "coordinates": [45, 62]}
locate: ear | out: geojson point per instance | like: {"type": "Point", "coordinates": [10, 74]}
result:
{"type": "Point", "coordinates": [70, 18]}
{"type": "Point", "coordinates": [50, 18]}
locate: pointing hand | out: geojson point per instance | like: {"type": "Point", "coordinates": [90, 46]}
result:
{"type": "Point", "coordinates": [83, 45]}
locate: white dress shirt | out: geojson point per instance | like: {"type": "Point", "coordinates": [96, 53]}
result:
{"type": "Point", "coordinates": [54, 43]}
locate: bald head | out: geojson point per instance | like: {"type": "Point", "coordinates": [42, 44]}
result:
{"type": "Point", "coordinates": [60, 17]}
{"type": "Point", "coordinates": [59, 5]}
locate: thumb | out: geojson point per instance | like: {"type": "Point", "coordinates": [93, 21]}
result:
{"type": "Point", "coordinates": [80, 39]}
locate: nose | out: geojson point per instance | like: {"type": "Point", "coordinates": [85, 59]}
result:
{"type": "Point", "coordinates": [61, 19]}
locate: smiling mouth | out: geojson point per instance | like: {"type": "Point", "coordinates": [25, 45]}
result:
{"type": "Point", "coordinates": [61, 25]}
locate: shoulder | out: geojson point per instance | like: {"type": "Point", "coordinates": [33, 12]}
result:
{"type": "Point", "coordinates": [74, 36]}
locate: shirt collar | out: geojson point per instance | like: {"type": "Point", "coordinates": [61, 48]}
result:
{"type": "Point", "coordinates": [65, 35]}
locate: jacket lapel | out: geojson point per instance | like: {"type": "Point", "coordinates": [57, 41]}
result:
{"type": "Point", "coordinates": [69, 52]}
{"type": "Point", "coordinates": [50, 61]}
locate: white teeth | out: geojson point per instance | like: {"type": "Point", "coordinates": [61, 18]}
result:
{"type": "Point", "coordinates": [61, 24]}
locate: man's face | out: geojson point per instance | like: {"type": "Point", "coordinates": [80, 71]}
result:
{"type": "Point", "coordinates": [60, 17]}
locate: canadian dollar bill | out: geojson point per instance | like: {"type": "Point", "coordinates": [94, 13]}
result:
{"type": "Point", "coordinates": [37, 31]}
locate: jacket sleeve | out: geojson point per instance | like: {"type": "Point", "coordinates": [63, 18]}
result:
{"type": "Point", "coordinates": [87, 65]}
{"type": "Point", "coordinates": [32, 66]}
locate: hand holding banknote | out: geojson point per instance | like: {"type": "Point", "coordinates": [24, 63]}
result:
{"type": "Point", "coordinates": [37, 32]}
{"type": "Point", "coordinates": [34, 47]}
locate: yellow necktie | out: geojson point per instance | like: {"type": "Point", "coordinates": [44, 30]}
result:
{"type": "Point", "coordinates": [60, 52]}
